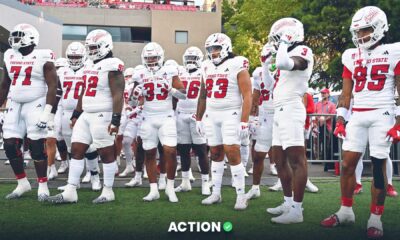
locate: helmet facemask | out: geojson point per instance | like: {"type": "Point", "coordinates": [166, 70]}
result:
{"type": "Point", "coordinates": [75, 61]}
{"type": "Point", "coordinates": [369, 40]}
{"type": "Point", "coordinates": [152, 62]}
{"type": "Point", "coordinates": [215, 54]}
{"type": "Point", "coordinates": [191, 62]}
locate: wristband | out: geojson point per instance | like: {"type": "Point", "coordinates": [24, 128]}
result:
{"type": "Point", "coordinates": [75, 114]}
{"type": "Point", "coordinates": [116, 119]}
{"type": "Point", "coordinates": [342, 112]}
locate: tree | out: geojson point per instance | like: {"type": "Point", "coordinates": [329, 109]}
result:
{"type": "Point", "coordinates": [326, 24]}
{"type": "Point", "coordinates": [248, 24]}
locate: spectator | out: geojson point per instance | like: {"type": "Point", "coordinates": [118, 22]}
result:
{"type": "Point", "coordinates": [213, 7]}
{"type": "Point", "coordinates": [325, 127]}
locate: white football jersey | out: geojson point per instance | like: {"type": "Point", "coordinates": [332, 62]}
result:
{"type": "Point", "coordinates": [373, 75]}
{"type": "Point", "coordinates": [222, 83]}
{"type": "Point", "coordinates": [97, 96]}
{"type": "Point", "coordinates": [72, 85]}
{"type": "Point", "coordinates": [292, 85]}
{"type": "Point", "coordinates": [26, 74]}
{"type": "Point", "coordinates": [157, 99]}
{"type": "Point", "coordinates": [266, 103]}
{"type": "Point", "coordinates": [192, 83]}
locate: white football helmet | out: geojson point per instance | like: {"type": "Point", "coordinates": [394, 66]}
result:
{"type": "Point", "coordinates": [171, 62]}
{"type": "Point", "coordinates": [23, 35]}
{"type": "Point", "coordinates": [98, 44]}
{"type": "Point", "coordinates": [366, 17]}
{"type": "Point", "coordinates": [218, 42]}
{"type": "Point", "coordinates": [128, 73]}
{"type": "Point", "coordinates": [61, 62]}
{"type": "Point", "coordinates": [153, 56]}
{"type": "Point", "coordinates": [286, 24]}
{"type": "Point", "coordinates": [76, 55]}
{"type": "Point", "coordinates": [192, 58]}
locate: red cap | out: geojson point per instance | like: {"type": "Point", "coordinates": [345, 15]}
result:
{"type": "Point", "coordinates": [325, 90]}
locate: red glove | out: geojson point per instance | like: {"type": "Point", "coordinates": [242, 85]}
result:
{"type": "Point", "coordinates": [393, 134]}
{"type": "Point", "coordinates": [340, 130]}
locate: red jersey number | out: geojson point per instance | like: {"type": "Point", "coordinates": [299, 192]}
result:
{"type": "Point", "coordinates": [17, 70]}
{"type": "Point", "coordinates": [192, 89]}
{"type": "Point", "coordinates": [91, 85]}
{"type": "Point", "coordinates": [378, 77]}
{"type": "Point", "coordinates": [149, 89]}
{"type": "Point", "coordinates": [222, 84]}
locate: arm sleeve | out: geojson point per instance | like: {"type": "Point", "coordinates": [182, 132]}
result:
{"type": "Point", "coordinates": [283, 61]}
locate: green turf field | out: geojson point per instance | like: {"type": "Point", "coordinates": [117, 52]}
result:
{"type": "Point", "coordinates": [130, 218]}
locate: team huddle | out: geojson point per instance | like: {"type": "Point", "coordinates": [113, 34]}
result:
{"type": "Point", "coordinates": [90, 106]}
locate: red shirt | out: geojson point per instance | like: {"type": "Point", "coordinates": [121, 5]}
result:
{"type": "Point", "coordinates": [310, 108]}
{"type": "Point", "coordinates": [326, 107]}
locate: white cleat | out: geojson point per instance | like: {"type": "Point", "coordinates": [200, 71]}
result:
{"type": "Point", "coordinates": [289, 217]}
{"type": "Point", "coordinates": [191, 177]}
{"type": "Point", "coordinates": [145, 176]}
{"type": "Point", "coordinates": [107, 195]}
{"type": "Point", "coordinates": [184, 187]}
{"type": "Point", "coordinates": [241, 202]}
{"type": "Point", "coordinates": [134, 183]}
{"type": "Point", "coordinates": [63, 167]}
{"type": "Point", "coordinates": [281, 209]}
{"type": "Point", "coordinates": [246, 174]}
{"type": "Point", "coordinates": [128, 170]}
{"type": "Point", "coordinates": [273, 170]}
{"type": "Point", "coordinates": [152, 196]}
{"type": "Point", "coordinates": [311, 187]}
{"type": "Point", "coordinates": [277, 187]}
{"type": "Point", "coordinates": [86, 178]}
{"type": "Point", "coordinates": [7, 162]}
{"type": "Point", "coordinates": [96, 183]}
{"type": "Point", "coordinates": [170, 192]}
{"type": "Point", "coordinates": [62, 188]}
{"type": "Point", "coordinates": [374, 229]}
{"type": "Point", "coordinates": [205, 189]}
{"type": "Point", "coordinates": [19, 190]}
{"type": "Point", "coordinates": [26, 163]}
{"type": "Point", "coordinates": [68, 196]}
{"type": "Point", "coordinates": [250, 171]}
{"type": "Point", "coordinates": [43, 195]}
{"type": "Point", "coordinates": [162, 184]}
{"type": "Point", "coordinates": [253, 193]}
{"type": "Point", "coordinates": [52, 175]}
{"type": "Point", "coordinates": [212, 199]}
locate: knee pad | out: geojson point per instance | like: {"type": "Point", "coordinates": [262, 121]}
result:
{"type": "Point", "coordinates": [62, 146]}
{"type": "Point", "coordinates": [12, 148]}
{"type": "Point", "coordinates": [377, 173]}
{"type": "Point", "coordinates": [91, 155]}
{"type": "Point", "coordinates": [38, 150]}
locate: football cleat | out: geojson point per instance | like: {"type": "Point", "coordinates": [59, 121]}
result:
{"type": "Point", "coordinates": [374, 229]}
{"type": "Point", "coordinates": [43, 193]}
{"type": "Point", "coordinates": [213, 198]}
{"type": "Point", "coordinates": [152, 196]}
{"type": "Point", "coordinates": [289, 217]}
{"type": "Point", "coordinates": [281, 209]}
{"type": "Point", "coordinates": [52, 175]}
{"type": "Point", "coordinates": [311, 187]}
{"type": "Point", "coordinates": [171, 195]}
{"type": "Point", "coordinates": [184, 187]}
{"type": "Point", "coordinates": [134, 182]}
{"type": "Point", "coordinates": [358, 189]}
{"type": "Point", "coordinates": [107, 195]}
{"type": "Point", "coordinates": [63, 167]}
{"type": "Point", "coordinates": [253, 193]}
{"type": "Point", "coordinates": [96, 183]}
{"type": "Point", "coordinates": [19, 190]}
{"type": "Point", "coordinates": [250, 170]}
{"type": "Point", "coordinates": [162, 184]}
{"type": "Point", "coordinates": [277, 187]}
{"type": "Point", "coordinates": [273, 170]}
{"type": "Point", "coordinates": [191, 177]}
{"type": "Point", "coordinates": [7, 162]}
{"type": "Point", "coordinates": [62, 188]}
{"type": "Point", "coordinates": [86, 178]}
{"type": "Point", "coordinates": [128, 170]}
{"type": "Point", "coordinates": [241, 202]}
{"type": "Point", "coordinates": [391, 191]}
{"type": "Point", "coordinates": [338, 219]}
{"type": "Point", "coordinates": [68, 196]}
{"type": "Point", "coordinates": [205, 188]}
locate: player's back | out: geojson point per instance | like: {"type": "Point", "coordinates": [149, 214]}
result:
{"type": "Point", "coordinates": [222, 83]}
{"type": "Point", "coordinates": [26, 74]}
{"type": "Point", "coordinates": [97, 96]}
{"type": "Point", "coordinates": [373, 75]}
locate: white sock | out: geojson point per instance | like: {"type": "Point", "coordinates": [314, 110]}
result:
{"type": "Point", "coordinates": [205, 177]}
{"type": "Point", "coordinates": [389, 171]}
{"type": "Point", "coordinates": [92, 165]}
{"type": "Point", "coordinates": [75, 170]}
{"type": "Point", "coordinates": [153, 187]}
{"type": "Point", "coordinates": [256, 187]}
{"type": "Point", "coordinates": [126, 144]}
{"type": "Point", "coordinates": [359, 170]}
{"type": "Point", "coordinates": [375, 217]}
{"type": "Point", "coordinates": [162, 176]}
{"type": "Point", "coordinates": [138, 175]}
{"type": "Point", "coordinates": [238, 178]}
{"type": "Point", "coordinates": [23, 181]}
{"type": "Point", "coordinates": [109, 173]}
{"type": "Point", "coordinates": [170, 184]}
{"type": "Point", "coordinates": [217, 170]}
{"type": "Point", "coordinates": [345, 210]}
{"type": "Point", "coordinates": [288, 201]}
{"type": "Point", "coordinates": [244, 154]}
{"type": "Point", "coordinates": [297, 206]}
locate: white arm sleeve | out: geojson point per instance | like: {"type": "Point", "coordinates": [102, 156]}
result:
{"type": "Point", "coordinates": [267, 77]}
{"type": "Point", "coordinates": [177, 94]}
{"type": "Point", "coordinates": [283, 61]}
